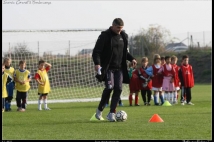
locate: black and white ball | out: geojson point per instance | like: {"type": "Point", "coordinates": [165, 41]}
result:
{"type": "Point", "coordinates": [121, 116]}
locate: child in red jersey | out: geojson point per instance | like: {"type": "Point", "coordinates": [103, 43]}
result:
{"type": "Point", "coordinates": [134, 84]}
{"type": "Point", "coordinates": [187, 80]}
{"type": "Point", "coordinates": [168, 79]}
{"type": "Point", "coordinates": [174, 60]}
{"type": "Point", "coordinates": [145, 82]}
{"type": "Point", "coordinates": [157, 79]}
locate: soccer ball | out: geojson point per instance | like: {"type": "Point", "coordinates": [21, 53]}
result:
{"type": "Point", "coordinates": [121, 116]}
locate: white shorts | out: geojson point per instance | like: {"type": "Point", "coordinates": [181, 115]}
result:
{"type": "Point", "coordinates": [177, 88]}
{"type": "Point", "coordinates": [156, 89]}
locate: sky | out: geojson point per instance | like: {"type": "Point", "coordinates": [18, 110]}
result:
{"type": "Point", "coordinates": [178, 16]}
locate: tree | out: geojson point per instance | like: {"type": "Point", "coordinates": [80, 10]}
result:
{"type": "Point", "coordinates": [20, 51]}
{"type": "Point", "coordinates": [150, 41]}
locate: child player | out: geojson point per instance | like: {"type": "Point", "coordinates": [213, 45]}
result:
{"type": "Point", "coordinates": [6, 79]}
{"type": "Point", "coordinates": [168, 73]}
{"type": "Point", "coordinates": [157, 79]}
{"type": "Point", "coordinates": [43, 83]}
{"type": "Point", "coordinates": [187, 80]}
{"type": "Point", "coordinates": [10, 87]}
{"type": "Point", "coordinates": [145, 82]}
{"type": "Point", "coordinates": [22, 78]}
{"type": "Point", "coordinates": [134, 84]}
{"type": "Point", "coordinates": [174, 60]}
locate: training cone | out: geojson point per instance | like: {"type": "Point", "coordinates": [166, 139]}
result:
{"type": "Point", "coordinates": [166, 103]}
{"type": "Point", "coordinates": [93, 118]}
{"type": "Point", "coordinates": [156, 118]}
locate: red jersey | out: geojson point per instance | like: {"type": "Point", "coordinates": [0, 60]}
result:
{"type": "Point", "coordinates": [142, 81]}
{"type": "Point", "coordinates": [187, 75]}
{"type": "Point", "coordinates": [176, 78]}
{"type": "Point", "coordinates": [168, 72]}
{"type": "Point", "coordinates": [134, 85]}
{"type": "Point", "coordinates": [157, 80]}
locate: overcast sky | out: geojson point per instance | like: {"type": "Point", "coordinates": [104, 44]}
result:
{"type": "Point", "coordinates": [177, 16]}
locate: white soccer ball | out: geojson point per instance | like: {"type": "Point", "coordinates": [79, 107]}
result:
{"type": "Point", "coordinates": [121, 116]}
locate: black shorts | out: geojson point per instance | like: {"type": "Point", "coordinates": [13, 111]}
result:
{"type": "Point", "coordinates": [40, 94]}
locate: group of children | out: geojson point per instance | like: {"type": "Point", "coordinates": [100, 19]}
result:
{"type": "Point", "coordinates": [19, 79]}
{"type": "Point", "coordinates": [164, 77]}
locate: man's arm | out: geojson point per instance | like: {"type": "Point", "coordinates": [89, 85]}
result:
{"type": "Point", "coordinates": [97, 51]}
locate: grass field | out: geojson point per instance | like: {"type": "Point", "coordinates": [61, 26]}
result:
{"type": "Point", "coordinates": [70, 121]}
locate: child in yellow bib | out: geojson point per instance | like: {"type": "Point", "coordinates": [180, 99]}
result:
{"type": "Point", "coordinates": [42, 79]}
{"type": "Point", "coordinates": [22, 78]}
{"type": "Point", "coordinates": [6, 79]}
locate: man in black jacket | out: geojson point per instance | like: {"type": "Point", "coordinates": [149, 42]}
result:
{"type": "Point", "coordinates": [110, 54]}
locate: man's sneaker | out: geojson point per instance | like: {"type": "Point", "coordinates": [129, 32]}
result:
{"type": "Point", "coordinates": [190, 103]}
{"type": "Point", "coordinates": [98, 114]}
{"type": "Point", "coordinates": [185, 101]}
{"type": "Point", "coordinates": [182, 103]}
{"type": "Point", "coordinates": [121, 104]}
{"type": "Point", "coordinates": [39, 109]}
{"type": "Point", "coordinates": [111, 117]}
{"type": "Point", "coordinates": [47, 108]}
{"type": "Point", "coordinates": [21, 109]}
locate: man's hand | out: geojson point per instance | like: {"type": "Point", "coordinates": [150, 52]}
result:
{"type": "Point", "coordinates": [96, 67]}
{"type": "Point", "coordinates": [134, 62]}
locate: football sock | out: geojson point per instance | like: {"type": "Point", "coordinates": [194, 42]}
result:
{"type": "Point", "coordinates": [39, 104]}
{"type": "Point", "coordinates": [175, 96]}
{"type": "Point", "coordinates": [45, 103]}
{"type": "Point", "coordinates": [156, 96]}
{"type": "Point", "coordinates": [171, 97]}
{"type": "Point", "coordinates": [130, 99]}
{"type": "Point", "coordinates": [161, 98]}
{"type": "Point", "coordinates": [166, 96]}
{"type": "Point", "coordinates": [136, 99]}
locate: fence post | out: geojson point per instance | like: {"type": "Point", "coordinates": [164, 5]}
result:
{"type": "Point", "coordinates": [38, 50]}
{"type": "Point", "coordinates": [9, 51]}
{"type": "Point", "coordinates": [69, 49]}
{"type": "Point", "coordinates": [204, 38]}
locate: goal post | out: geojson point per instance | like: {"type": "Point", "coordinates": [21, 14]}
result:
{"type": "Point", "coordinates": [72, 77]}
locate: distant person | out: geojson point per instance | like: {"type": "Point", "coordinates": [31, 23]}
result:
{"type": "Point", "coordinates": [163, 60]}
{"type": "Point", "coordinates": [174, 60]}
{"type": "Point", "coordinates": [134, 88]}
{"type": "Point", "coordinates": [22, 78]}
{"type": "Point", "coordinates": [6, 79]}
{"type": "Point", "coordinates": [168, 73]}
{"type": "Point", "coordinates": [10, 87]}
{"type": "Point", "coordinates": [43, 84]}
{"type": "Point", "coordinates": [187, 80]}
{"type": "Point", "coordinates": [157, 79]}
{"type": "Point", "coordinates": [110, 54]}
{"type": "Point", "coordinates": [145, 82]}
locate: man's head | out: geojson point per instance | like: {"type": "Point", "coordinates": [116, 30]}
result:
{"type": "Point", "coordinates": [117, 25]}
